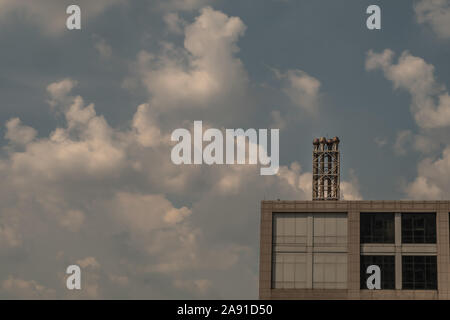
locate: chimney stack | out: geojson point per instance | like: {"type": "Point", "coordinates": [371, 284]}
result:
{"type": "Point", "coordinates": [326, 169]}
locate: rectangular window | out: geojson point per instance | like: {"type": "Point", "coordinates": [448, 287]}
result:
{"type": "Point", "coordinates": [377, 228]}
{"type": "Point", "coordinates": [387, 268]}
{"type": "Point", "coordinates": [290, 228]}
{"type": "Point", "coordinates": [309, 250]}
{"type": "Point", "coordinates": [289, 270]}
{"type": "Point", "coordinates": [418, 228]}
{"type": "Point", "coordinates": [330, 229]}
{"type": "Point", "coordinates": [330, 271]}
{"type": "Point", "coordinates": [419, 272]}
{"type": "Point", "coordinates": [290, 233]}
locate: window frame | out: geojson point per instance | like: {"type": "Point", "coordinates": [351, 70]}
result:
{"type": "Point", "coordinates": [363, 268]}
{"type": "Point", "coordinates": [371, 236]}
{"type": "Point", "coordinates": [414, 265]}
{"type": "Point", "coordinates": [418, 227]}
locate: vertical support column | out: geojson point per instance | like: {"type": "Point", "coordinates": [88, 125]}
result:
{"type": "Point", "coordinates": [315, 180]}
{"type": "Point", "coordinates": [443, 268]}
{"type": "Point", "coordinates": [353, 255]}
{"type": "Point", "coordinates": [398, 250]}
{"type": "Point", "coordinates": [309, 252]}
{"type": "Point", "coordinates": [338, 174]}
{"type": "Point", "coordinates": [322, 174]}
{"type": "Point", "coordinates": [333, 176]}
{"type": "Point", "coordinates": [329, 171]}
{"type": "Point", "coordinates": [265, 247]}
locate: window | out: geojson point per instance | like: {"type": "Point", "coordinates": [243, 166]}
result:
{"type": "Point", "coordinates": [330, 229]}
{"type": "Point", "coordinates": [377, 228]}
{"type": "Point", "coordinates": [330, 271]}
{"type": "Point", "coordinates": [290, 234]}
{"type": "Point", "coordinates": [419, 272]}
{"type": "Point", "coordinates": [302, 240]}
{"type": "Point", "coordinates": [289, 270]}
{"type": "Point", "coordinates": [387, 268]}
{"type": "Point", "coordinates": [418, 227]}
{"type": "Point", "coordinates": [290, 228]}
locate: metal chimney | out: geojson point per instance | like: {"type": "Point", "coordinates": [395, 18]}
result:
{"type": "Point", "coordinates": [326, 169]}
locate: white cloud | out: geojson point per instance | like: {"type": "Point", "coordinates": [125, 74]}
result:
{"type": "Point", "coordinates": [430, 100]}
{"type": "Point", "coordinates": [23, 289]}
{"type": "Point", "coordinates": [402, 142]}
{"type": "Point", "coordinates": [105, 184]}
{"type": "Point", "coordinates": [301, 183]}
{"type": "Point", "coordinates": [301, 88]}
{"type": "Point", "coordinates": [205, 70]}
{"type": "Point", "coordinates": [73, 220]}
{"type": "Point", "coordinates": [278, 122]}
{"type": "Point", "coordinates": [103, 48]}
{"type": "Point", "coordinates": [88, 262]}
{"type": "Point", "coordinates": [144, 123]}
{"type": "Point", "coordinates": [350, 189]}
{"type": "Point", "coordinates": [59, 91]}
{"type": "Point", "coordinates": [19, 134]}
{"type": "Point", "coordinates": [431, 182]}
{"type": "Point", "coordinates": [431, 110]}
{"type": "Point", "coordinates": [100, 181]}
{"type": "Point", "coordinates": [174, 23]}
{"type": "Point", "coordinates": [9, 236]}
{"type": "Point", "coordinates": [425, 142]}
{"type": "Point", "coordinates": [146, 213]}
{"type": "Point", "coordinates": [296, 179]}
{"type": "Point", "coordinates": [59, 155]}
{"type": "Point", "coordinates": [423, 189]}
{"type": "Point", "coordinates": [379, 60]}
{"type": "Point", "coordinates": [93, 150]}
{"type": "Point", "coordinates": [436, 13]}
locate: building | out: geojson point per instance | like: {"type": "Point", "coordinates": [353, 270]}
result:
{"type": "Point", "coordinates": [321, 249]}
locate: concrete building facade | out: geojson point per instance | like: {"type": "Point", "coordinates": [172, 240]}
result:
{"type": "Point", "coordinates": [321, 249]}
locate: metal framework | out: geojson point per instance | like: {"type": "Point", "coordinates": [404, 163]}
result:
{"type": "Point", "coordinates": [326, 169]}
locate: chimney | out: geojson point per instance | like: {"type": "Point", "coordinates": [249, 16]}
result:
{"type": "Point", "coordinates": [326, 169]}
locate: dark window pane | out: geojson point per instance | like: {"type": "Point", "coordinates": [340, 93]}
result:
{"type": "Point", "coordinates": [419, 223]}
{"type": "Point", "coordinates": [406, 222]}
{"type": "Point", "coordinates": [377, 228]}
{"type": "Point", "coordinates": [387, 268]}
{"type": "Point", "coordinates": [419, 272]}
{"type": "Point", "coordinates": [418, 227]}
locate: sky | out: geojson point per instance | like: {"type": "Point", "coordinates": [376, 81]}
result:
{"type": "Point", "coordinates": [86, 118]}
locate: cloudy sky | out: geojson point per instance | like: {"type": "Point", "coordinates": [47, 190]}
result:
{"type": "Point", "coordinates": [86, 118]}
